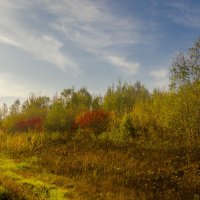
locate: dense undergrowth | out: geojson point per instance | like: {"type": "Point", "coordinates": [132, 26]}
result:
{"type": "Point", "coordinates": [101, 169]}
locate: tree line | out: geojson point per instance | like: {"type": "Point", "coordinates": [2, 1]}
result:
{"type": "Point", "coordinates": [125, 111]}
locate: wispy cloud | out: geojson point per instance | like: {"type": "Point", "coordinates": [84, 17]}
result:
{"type": "Point", "coordinates": [8, 41]}
{"type": "Point", "coordinates": [92, 21]}
{"type": "Point", "coordinates": [130, 68]}
{"type": "Point", "coordinates": [90, 25]}
{"type": "Point", "coordinates": [94, 28]}
{"type": "Point", "coordinates": [184, 13]}
{"type": "Point", "coordinates": [41, 45]}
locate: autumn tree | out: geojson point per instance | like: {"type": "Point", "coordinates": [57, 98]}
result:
{"type": "Point", "coordinates": [185, 82]}
{"type": "Point", "coordinates": [185, 68]}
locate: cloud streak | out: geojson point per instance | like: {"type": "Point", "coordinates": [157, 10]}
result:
{"type": "Point", "coordinates": [95, 35]}
{"type": "Point", "coordinates": [129, 68]}
{"type": "Point", "coordinates": [184, 13]}
{"type": "Point", "coordinates": [90, 25]}
{"type": "Point", "coordinates": [95, 29]}
{"type": "Point", "coordinates": [41, 45]}
{"type": "Point", "coordinates": [8, 41]}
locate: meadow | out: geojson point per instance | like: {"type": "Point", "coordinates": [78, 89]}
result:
{"type": "Point", "coordinates": [54, 166]}
{"type": "Point", "coordinates": [128, 144]}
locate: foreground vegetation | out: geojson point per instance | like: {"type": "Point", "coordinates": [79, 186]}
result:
{"type": "Point", "coordinates": [128, 144]}
{"type": "Point", "coordinates": [50, 166]}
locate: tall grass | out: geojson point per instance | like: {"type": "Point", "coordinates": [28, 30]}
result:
{"type": "Point", "coordinates": [142, 168]}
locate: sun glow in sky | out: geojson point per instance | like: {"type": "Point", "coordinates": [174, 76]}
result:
{"type": "Point", "coordinates": [48, 45]}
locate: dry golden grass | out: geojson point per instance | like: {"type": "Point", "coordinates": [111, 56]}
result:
{"type": "Point", "coordinates": [102, 169]}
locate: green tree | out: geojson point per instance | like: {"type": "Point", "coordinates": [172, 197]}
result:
{"type": "Point", "coordinates": [35, 106]}
{"type": "Point", "coordinates": [122, 98]}
{"type": "Point", "coordinates": [58, 118]}
{"type": "Point", "coordinates": [77, 101]}
{"type": "Point", "coordinates": [15, 107]}
{"type": "Point", "coordinates": [185, 82]}
{"type": "Point", "coordinates": [185, 68]}
{"type": "Point", "coordinates": [97, 103]}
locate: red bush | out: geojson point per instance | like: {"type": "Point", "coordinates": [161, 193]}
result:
{"type": "Point", "coordinates": [33, 123]}
{"type": "Point", "coordinates": [96, 121]}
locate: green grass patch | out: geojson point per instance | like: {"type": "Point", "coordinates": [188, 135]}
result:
{"type": "Point", "coordinates": [21, 180]}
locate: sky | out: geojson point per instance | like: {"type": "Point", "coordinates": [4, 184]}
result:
{"type": "Point", "coordinates": [49, 45]}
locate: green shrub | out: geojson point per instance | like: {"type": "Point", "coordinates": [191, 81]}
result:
{"type": "Point", "coordinates": [58, 118]}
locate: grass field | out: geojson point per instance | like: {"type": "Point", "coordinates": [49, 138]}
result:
{"type": "Point", "coordinates": [54, 166]}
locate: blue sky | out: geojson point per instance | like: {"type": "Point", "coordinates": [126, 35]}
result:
{"type": "Point", "coordinates": [48, 45]}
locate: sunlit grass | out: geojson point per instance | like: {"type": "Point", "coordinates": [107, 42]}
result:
{"type": "Point", "coordinates": [21, 179]}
